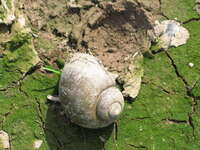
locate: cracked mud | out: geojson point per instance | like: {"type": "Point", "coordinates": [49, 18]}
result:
{"type": "Point", "coordinates": [165, 114]}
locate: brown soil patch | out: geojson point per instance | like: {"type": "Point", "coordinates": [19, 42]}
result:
{"type": "Point", "coordinates": [114, 32]}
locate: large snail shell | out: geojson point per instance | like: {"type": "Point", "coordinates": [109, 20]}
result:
{"type": "Point", "coordinates": [88, 94]}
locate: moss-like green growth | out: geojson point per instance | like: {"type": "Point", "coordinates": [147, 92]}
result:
{"type": "Point", "coordinates": [31, 118]}
{"type": "Point", "coordinates": [26, 109]}
{"type": "Point", "coordinates": [17, 41]}
{"type": "Point", "coordinates": [145, 123]}
{"type": "Point", "coordinates": [18, 56]}
{"type": "Point", "coordinates": [180, 9]}
{"type": "Point", "coordinates": [20, 50]}
{"type": "Point", "coordinates": [159, 72]}
{"type": "Point", "coordinates": [148, 122]}
{"type": "Point", "coordinates": [41, 86]}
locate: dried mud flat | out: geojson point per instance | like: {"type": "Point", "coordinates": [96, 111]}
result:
{"type": "Point", "coordinates": [114, 32]}
{"type": "Point", "coordinates": [165, 114]}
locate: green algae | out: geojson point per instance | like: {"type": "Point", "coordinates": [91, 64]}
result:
{"type": "Point", "coordinates": [18, 57]}
{"type": "Point", "coordinates": [162, 97]}
{"type": "Point", "coordinates": [23, 122]}
{"type": "Point", "coordinates": [180, 9]}
{"type": "Point", "coordinates": [163, 77]}
{"type": "Point", "coordinates": [14, 57]}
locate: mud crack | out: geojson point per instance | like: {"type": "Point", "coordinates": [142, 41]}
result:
{"type": "Point", "coordinates": [31, 70]}
{"type": "Point", "coordinates": [43, 126]}
{"type": "Point", "coordinates": [181, 77]}
{"type": "Point", "coordinates": [8, 87]}
{"type": "Point", "coordinates": [188, 92]}
{"type": "Point", "coordinates": [191, 20]}
{"type": "Point", "coordinates": [18, 83]}
{"type": "Point", "coordinates": [174, 121]}
{"type": "Point", "coordinates": [138, 146]}
{"type": "Point", "coordinates": [141, 118]}
{"type": "Point", "coordinates": [186, 84]}
{"type": "Point", "coordinates": [7, 114]}
{"type": "Point", "coordinates": [39, 112]}
{"type": "Point", "coordinates": [160, 87]}
{"type": "Point", "coordinates": [190, 121]}
{"type": "Point", "coordinates": [160, 2]}
{"type": "Point", "coordinates": [194, 105]}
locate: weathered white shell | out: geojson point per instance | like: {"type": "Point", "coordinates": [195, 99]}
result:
{"type": "Point", "coordinates": [170, 33]}
{"type": "Point", "coordinates": [37, 144]}
{"type": "Point", "coordinates": [88, 92]}
{"type": "Point", "coordinates": [4, 140]}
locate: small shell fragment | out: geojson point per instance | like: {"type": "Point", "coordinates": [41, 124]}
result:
{"type": "Point", "coordinates": [133, 76]}
{"type": "Point", "coordinates": [4, 140]}
{"type": "Point", "coordinates": [170, 33]}
{"type": "Point", "coordinates": [37, 144]}
{"type": "Point", "coordinates": [191, 65]}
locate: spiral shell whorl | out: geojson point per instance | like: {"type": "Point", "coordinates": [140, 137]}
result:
{"type": "Point", "coordinates": [110, 104]}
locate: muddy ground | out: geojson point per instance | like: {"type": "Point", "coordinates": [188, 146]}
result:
{"type": "Point", "coordinates": [165, 114]}
{"type": "Point", "coordinates": [123, 27]}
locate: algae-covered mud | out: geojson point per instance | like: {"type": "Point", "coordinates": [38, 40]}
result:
{"type": "Point", "coordinates": [163, 115]}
